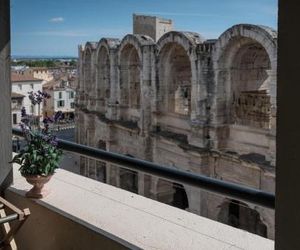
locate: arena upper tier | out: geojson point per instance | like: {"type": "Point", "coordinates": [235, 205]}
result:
{"type": "Point", "coordinates": [206, 106]}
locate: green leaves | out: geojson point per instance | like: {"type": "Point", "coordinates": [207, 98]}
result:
{"type": "Point", "coordinates": [39, 158]}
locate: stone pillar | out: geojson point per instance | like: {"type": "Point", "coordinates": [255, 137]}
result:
{"type": "Point", "coordinates": [92, 93]}
{"type": "Point", "coordinates": [288, 124]}
{"type": "Point", "coordinates": [153, 189]}
{"type": "Point", "coordinates": [194, 198]}
{"type": "Point", "coordinates": [5, 97]}
{"type": "Point", "coordinates": [112, 102]}
{"type": "Point", "coordinates": [141, 184]}
{"type": "Point", "coordinates": [199, 135]}
{"type": "Point", "coordinates": [146, 83]}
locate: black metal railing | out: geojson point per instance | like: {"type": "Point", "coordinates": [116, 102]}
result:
{"type": "Point", "coordinates": [231, 190]}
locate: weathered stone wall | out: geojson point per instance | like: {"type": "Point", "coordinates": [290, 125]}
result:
{"type": "Point", "coordinates": [206, 106]}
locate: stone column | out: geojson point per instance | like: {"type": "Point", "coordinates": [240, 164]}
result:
{"type": "Point", "coordinates": [194, 198]}
{"type": "Point", "coordinates": [145, 110]}
{"type": "Point", "coordinates": [141, 184]}
{"type": "Point", "coordinates": [5, 97]}
{"type": "Point", "coordinates": [112, 102]}
{"type": "Point", "coordinates": [92, 88]}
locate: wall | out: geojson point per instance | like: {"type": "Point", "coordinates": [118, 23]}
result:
{"type": "Point", "coordinates": [5, 96]}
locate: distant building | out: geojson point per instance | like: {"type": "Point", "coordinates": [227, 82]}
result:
{"type": "Point", "coordinates": [42, 73]}
{"type": "Point", "coordinates": [62, 98]}
{"type": "Point", "coordinates": [151, 26]}
{"type": "Point", "coordinates": [16, 105]}
{"type": "Point", "coordinates": [22, 83]}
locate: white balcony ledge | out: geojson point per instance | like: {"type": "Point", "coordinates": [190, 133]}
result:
{"type": "Point", "coordinates": [120, 218]}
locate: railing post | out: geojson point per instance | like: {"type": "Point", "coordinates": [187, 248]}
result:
{"type": "Point", "coordinates": [5, 97]}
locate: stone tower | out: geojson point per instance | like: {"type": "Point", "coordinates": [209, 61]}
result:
{"type": "Point", "coordinates": [151, 26]}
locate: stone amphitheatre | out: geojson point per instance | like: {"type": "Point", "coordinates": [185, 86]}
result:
{"type": "Point", "coordinates": [177, 99]}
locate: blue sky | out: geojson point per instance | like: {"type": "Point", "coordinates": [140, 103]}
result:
{"type": "Point", "coordinates": [56, 27]}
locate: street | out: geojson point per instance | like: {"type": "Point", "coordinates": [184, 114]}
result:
{"type": "Point", "coordinates": [69, 161]}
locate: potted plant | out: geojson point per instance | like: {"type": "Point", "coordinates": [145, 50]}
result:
{"type": "Point", "coordinates": [40, 157]}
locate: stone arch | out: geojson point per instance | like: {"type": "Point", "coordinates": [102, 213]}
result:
{"type": "Point", "coordinates": [89, 72]}
{"type": "Point", "coordinates": [130, 77]}
{"type": "Point", "coordinates": [130, 59]}
{"type": "Point", "coordinates": [177, 74]}
{"type": "Point", "coordinates": [245, 73]}
{"type": "Point", "coordinates": [104, 64]}
{"type": "Point", "coordinates": [103, 75]}
{"type": "Point", "coordinates": [240, 215]}
{"type": "Point", "coordinates": [172, 194]}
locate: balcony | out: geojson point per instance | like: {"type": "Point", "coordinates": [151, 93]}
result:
{"type": "Point", "coordinates": [81, 213]}
{"type": "Point", "coordinates": [92, 214]}
{"type": "Point", "coordinates": [287, 200]}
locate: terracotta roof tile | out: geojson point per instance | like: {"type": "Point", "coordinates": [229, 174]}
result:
{"type": "Point", "coordinates": [22, 77]}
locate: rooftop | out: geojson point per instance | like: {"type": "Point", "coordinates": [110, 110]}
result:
{"type": "Point", "coordinates": [23, 77]}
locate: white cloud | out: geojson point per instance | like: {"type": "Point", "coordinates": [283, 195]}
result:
{"type": "Point", "coordinates": [56, 20]}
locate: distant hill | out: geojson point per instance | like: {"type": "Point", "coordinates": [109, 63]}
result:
{"type": "Point", "coordinates": [16, 57]}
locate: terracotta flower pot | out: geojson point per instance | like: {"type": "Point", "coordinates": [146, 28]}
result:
{"type": "Point", "coordinates": [38, 191]}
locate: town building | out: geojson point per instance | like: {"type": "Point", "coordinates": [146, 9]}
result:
{"type": "Point", "coordinates": [16, 106]}
{"type": "Point", "coordinates": [204, 106]}
{"type": "Point", "coordinates": [23, 83]}
{"type": "Point", "coordinates": [42, 73]}
{"type": "Point", "coordinates": [62, 98]}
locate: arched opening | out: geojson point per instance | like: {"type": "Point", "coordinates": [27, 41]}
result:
{"type": "Point", "coordinates": [248, 76]}
{"type": "Point", "coordinates": [103, 76]}
{"type": "Point", "coordinates": [175, 76]}
{"type": "Point", "coordinates": [172, 194]}
{"type": "Point", "coordinates": [130, 77]}
{"type": "Point", "coordinates": [239, 215]}
{"type": "Point", "coordinates": [129, 180]}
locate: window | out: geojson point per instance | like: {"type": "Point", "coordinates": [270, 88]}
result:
{"type": "Point", "coordinates": [72, 105]}
{"type": "Point", "coordinates": [71, 95]}
{"type": "Point", "coordinates": [15, 119]}
{"type": "Point", "coordinates": [61, 103]}
{"type": "Point", "coordinates": [60, 95]}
